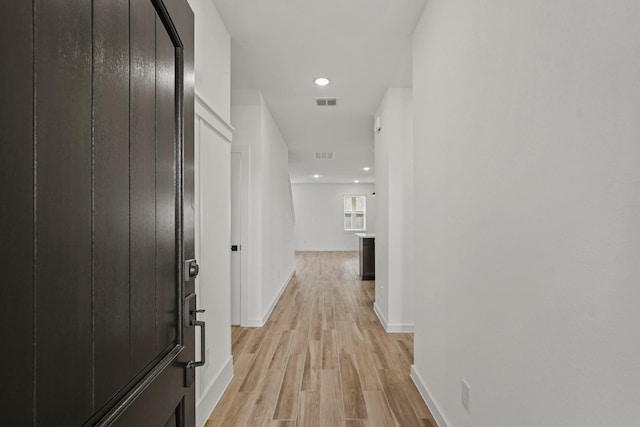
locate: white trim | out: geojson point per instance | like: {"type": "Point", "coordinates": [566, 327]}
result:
{"type": "Point", "coordinates": [440, 419]}
{"type": "Point", "coordinates": [259, 323]}
{"type": "Point", "coordinates": [213, 393]}
{"type": "Point", "coordinates": [245, 240]}
{"type": "Point", "coordinates": [399, 328]}
{"type": "Point", "coordinates": [392, 328]}
{"type": "Point", "coordinates": [381, 317]}
{"type": "Point", "coordinates": [217, 123]}
{"type": "Point", "coordinates": [277, 298]}
{"type": "Point", "coordinates": [326, 250]}
{"type": "Point", "coordinates": [213, 111]}
{"type": "Point", "coordinates": [252, 323]}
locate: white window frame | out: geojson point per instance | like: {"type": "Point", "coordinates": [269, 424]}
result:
{"type": "Point", "coordinates": [354, 212]}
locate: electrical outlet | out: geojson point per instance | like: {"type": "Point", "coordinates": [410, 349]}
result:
{"type": "Point", "coordinates": [466, 391]}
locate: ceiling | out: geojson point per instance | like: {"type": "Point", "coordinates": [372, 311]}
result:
{"type": "Point", "coordinates": [363, 46]}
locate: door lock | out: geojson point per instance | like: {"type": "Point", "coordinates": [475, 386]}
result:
{"type": "Point", "coordinates": [191, 270]}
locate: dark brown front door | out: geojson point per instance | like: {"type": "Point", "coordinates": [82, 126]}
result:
{"type": "Point", "coordinates": [96, 213]}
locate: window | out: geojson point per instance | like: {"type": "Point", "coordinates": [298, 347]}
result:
{"type": "Point", "coordinates": [355, 213]}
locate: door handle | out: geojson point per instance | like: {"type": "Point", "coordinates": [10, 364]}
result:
{"type": "Point", "coordinates": [202, 361]}
{"type": "Point", "coordinates": [190, 369]}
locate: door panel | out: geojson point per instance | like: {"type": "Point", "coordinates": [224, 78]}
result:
{"type": "Point", "coordinates": [236, 236]}
{"type": "Point", "coordinates": [16, 209]}
{"type": "Point", "coordinates": [63, 279]}
{"type": "Point", "coordinates": [142, 140]}
{"type": "Point", "coordinates": [110, 196]}
{"type": "Point", "coordinates": [92, 159]}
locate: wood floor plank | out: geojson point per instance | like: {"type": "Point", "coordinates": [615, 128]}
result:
{"type": "Point", "coordinates": [331, 413]}
{"type": "Point", "coordinates": [398, 402]}
{"type": "Point", "coordinates": [378, 409]}
{"type": "Point", "coordinates": [259, 367]}
{"type": "Point", "coordinates": [344, 341]}
{"type": "Point", "coordinates": [328, 314]}
{"type": "Point", "coordinates": [241, 365]}
{"type": "Point", "coordinates": [329, 357]}
{"type": "Point", "coordinates": [352, 397]}
{"type": "Point", "coordinates": [312, 367]}
{"type": "Point", "coordinates": [256, 340]}
{"type": "Point", "coordinates": [244, 341]}
{"type": "Point", "coordinates": [280, 355]}
{"type": "Point", "coordinates": [265, 400]}
{"type": "Point", "coordinates": [309, 409]}
{"type": "Point", "coordinates": [316, 327]}
{"type": "Point", "coordinates": [280, 423]}
{"type": "Point", "coordinates": [322, 358]}
{"type": "Point", "coordinates": [236, 413]}
{"type": "Point", "coordinates": [287, 404]}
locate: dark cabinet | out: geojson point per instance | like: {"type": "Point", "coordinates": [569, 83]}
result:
{"type": "Point", "coordinates": [367, 256]}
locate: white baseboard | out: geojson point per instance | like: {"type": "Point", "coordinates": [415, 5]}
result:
{"type": "Point", "coordinates": [259, 323]}
{"type": "Point", "coordinates": [392, 328]}
{"type": "Point", "coordinates": [400, 328]}
{"type": "Point", "coordinates": [277, 298]}
{"type": "Point", "coordinates": [326, 250]}
{"type": "Point", "coordinates": [381, 317]}
{"type": "Point", "coordinates": [253, 323]}
{"type": "Point", "coordinates": [428, 399]}
{"type": "Point", "coordinates": [213, 393]}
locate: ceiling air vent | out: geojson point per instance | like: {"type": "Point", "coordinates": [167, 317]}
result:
{"type": "Point", "coordinates": [326, 102]}
{"type": "Point", "coordinates": [324, 156]}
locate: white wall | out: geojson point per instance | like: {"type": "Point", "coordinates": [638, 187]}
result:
{"type": "Point", "coordinates": [212, 203]}
{"type": "Point", "coordinates": [319, 215]}
{"type": "Point", "coordinates": [278, 259]}
{"type": "Point", "coordinates": [271, 216]}
{"type": "Point", "coordinates": [527, 211]}
{"type": "Point", "coordinates": [213, 58]}
{"type": "Point", "coordinates": [394, 303]}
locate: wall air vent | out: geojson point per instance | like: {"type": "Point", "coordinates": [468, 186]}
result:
{"type": "Point", "coordinates": [326, 102]}
{"type": "Point", "coordinates": [324, 156]}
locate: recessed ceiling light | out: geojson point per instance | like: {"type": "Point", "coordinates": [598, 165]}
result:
{"type": "Point", "coordinates": [366, 168]}
{"type": "Point", "coordinates": [321, 81]}
{"type": "Point", "coordinates": [356, 181]}
{"type": "Point", "coordinates": [316, 176]}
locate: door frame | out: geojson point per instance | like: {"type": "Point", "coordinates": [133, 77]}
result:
{"type": "Point", "coordinates": [245, 252]}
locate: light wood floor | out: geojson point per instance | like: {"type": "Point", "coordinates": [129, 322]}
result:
{"type": "Point", "coordinates": [322, 359]}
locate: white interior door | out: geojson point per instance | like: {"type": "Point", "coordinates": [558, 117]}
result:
{"type": "Point", "coordinates": [236, 236]}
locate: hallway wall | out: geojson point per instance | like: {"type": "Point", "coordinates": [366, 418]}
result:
{"type": "Point", "coordinates": [394, 303]}
{"type": "Point", "coordinates": [527, 201]}
{"type": "Point", "coordinates": [278, 259]}
{"type": "Point", "coordinates": [270, 218]}
{"type": "Point", "coordinates": [319, 215]}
